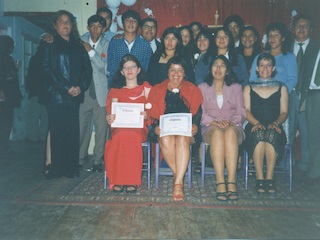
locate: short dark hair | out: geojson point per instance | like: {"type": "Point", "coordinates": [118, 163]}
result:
{"type": "Point", "coordinates": [196, 23]}
{"type": "Point", "coordinates": [105, 9]}
{"type": "Point", "coordinates": [267, 56]}
{"type": "Point", "coordinates": [6, 44]}
{"type": "Point", "coordinates": [143, 21]}
{"type": "Point", "coordinates": [279, 26]}
{"type": "Point", "coordinates": [131, 14]}
{"type": "Point", "coordinates": [96, 18]}
{"type": "Point", "coordinates": [234, 18]}
{"type": "Point", "coordinates": [303, 17]}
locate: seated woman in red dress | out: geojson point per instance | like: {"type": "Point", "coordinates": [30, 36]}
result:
{"type": "Point", "coordinates": [123, 152]}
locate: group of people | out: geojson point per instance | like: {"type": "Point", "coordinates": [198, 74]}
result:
{"type": "Point", "coordinates": [223, 79]}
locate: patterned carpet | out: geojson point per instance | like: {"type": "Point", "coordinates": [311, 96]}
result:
{"type": "Point", "coordinates": [89, 189]}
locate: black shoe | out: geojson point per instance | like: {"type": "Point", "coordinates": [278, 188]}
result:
{"type": "Point", "coordinates": [97, 168]}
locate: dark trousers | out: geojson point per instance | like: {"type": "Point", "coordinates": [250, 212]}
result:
{"type": "Point", "coordinates": [64, 134]}
{"type": "Point", "coordinates": [6, 121]}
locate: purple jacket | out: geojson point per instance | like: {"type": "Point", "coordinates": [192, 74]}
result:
{"type": "Point", "coordinates": [232, 108]}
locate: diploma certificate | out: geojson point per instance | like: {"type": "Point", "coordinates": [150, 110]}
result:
{"type": "Point", "coordinates": [176, 124]}
{"type": "Point", "coordinates": [128, 115]}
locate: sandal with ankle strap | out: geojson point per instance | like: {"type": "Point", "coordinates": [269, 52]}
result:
{"type": "Point", "coordinates": [271, 187]}
{"type": "Point", "coordinates": [178, 197]}
{"type": "Point", "coordinates": [221, 196]}
{"type": "Point", "coordinates": [233, 195]}
{"type": "Point", "coordinates": [260, 186]}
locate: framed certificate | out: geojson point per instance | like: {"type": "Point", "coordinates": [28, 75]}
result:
{"type": "Point", "coordinates": [128, 115]}
{"type": "Point", "coordinates": [176, 124]}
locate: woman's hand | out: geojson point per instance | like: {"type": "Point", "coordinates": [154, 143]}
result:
{"type": "Point", "coordinates": [145, 115]}
{"type": "Point", "coordinates": [74, 91]}
{"type": "Point", "coordinates": [47, 38]}
{"type": "Point", "coordinates": [257, 126]}
{"type": "Point", "coordinates": [110, 118]}
{"type": "Point", "coordinates": [194, 130]}
{"type": "Point", "coordinates": [221, 124]}
{"type": "Point", "coordinates": [274, 126]}
{"type": "Point", "coordinates": [157, 130]}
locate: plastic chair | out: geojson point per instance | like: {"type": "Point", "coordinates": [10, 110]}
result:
{"type": "Point", "coordinates": [206, 170]}
{"type": "Point", "coordinates": [167, 171]}
{"type": "Point", "coordinates": [145, 165]}
{"type": "Point", "coordinates": [280, 168]}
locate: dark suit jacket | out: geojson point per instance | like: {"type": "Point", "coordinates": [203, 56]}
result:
{"type": "Point", "coordinates": [305, 74]}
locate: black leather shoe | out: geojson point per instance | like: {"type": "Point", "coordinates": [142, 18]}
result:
{"type": "Point", "coordinates": [97, 168]}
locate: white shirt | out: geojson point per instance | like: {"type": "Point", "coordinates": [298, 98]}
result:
{"type": "Point", "coordinates": [312, 84]}
{"type": "Point", "coordinates": [130, 45]}
{"type": "Point", "coordinates": [93, 51]}
{"type": "Point", "coordinates": [296, 46]}
{"type": "Point", "coordinates": [220, 100]}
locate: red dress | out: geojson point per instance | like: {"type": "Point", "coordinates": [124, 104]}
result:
{"type": "Point", "coordinates": [123, 152]}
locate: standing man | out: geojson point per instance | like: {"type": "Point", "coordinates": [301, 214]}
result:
{"type": "Point", "coordinates": [312, 74]}
{"type": "Point", "coordinates": [303, 47]}
{"type": "Point", "coordinates": [129, 42]}
{"type": "Point", "coordinates": [149, 28]}
{"type": "Point", "coordinates": [107, 15]}
{"type": "Point", "coordinates": [235, 24]}
{"type": "Point", "coordinates": [92, 110]}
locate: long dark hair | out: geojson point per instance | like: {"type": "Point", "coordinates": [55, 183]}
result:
{"type": "Point", "coordinates": [119, 80]}
{"type": "Point", "coordinates": [256, 46]}
{"type": "Point", "coordinates": [74, 34]}
{"type": "Point", "coordinates": [279, 26]}
{"type": "Point", "coordinates": [177, 35]}
{"type": "Point", "coordinates": [209, 53]}
{"type": "Point", "coordinates": [233, 55]}
{"type": "Point", "coordinates": [230, 77]}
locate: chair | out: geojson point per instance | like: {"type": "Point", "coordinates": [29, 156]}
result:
{"type": "Point", "coordinates": [145, 165]}
{"type": "Point", "coordinates": [167, 171]}
{"type": "Point", "coordinates": [206, 170]}
{"type": "Point", "coordinates": [280, 168]}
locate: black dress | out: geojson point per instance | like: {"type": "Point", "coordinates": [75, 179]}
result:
{"type": "Point", "coordinates": [266, 111]}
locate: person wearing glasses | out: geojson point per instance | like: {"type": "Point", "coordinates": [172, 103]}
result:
{"type": "Point", "coordinates": [149, 28]}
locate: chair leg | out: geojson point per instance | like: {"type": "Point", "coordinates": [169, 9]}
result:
{"type": "Point", "coordinates": [203, 162]}
{"type": "Point", "coordinates": [157, 164]}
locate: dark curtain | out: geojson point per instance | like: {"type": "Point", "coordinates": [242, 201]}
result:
{"type": "Point", "coordinates": [256, 12]}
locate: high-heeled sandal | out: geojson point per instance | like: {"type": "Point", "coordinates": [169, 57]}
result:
{"type": "Point", "coordinates": [178, 197]}
{"type": "Point", "coordinates": [270, 187]}
{"type": "Point", "coordinates": [221, 196]}
{"type": "Point", "coordinates": [118, 189]}
{"type": "Point", "coordinates": [233, 195]}
{"type": "Point", "coordinates": [260, 186]}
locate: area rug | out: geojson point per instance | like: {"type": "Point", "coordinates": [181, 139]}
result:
{"type": "Point", "coordinates": [89, 189]}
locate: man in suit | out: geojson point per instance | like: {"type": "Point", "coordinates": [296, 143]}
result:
{"type": "Point", "coordinates": [92, 110]}
{"type": "Point", "coordinates": [149, 28]}
{"type": "Point", "coordinates": [303, 47]}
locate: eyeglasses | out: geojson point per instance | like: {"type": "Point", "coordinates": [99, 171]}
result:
{"type": "Point", "coordinates": [149, 27]}
{"type": "Point", "coordinates": [129, 68]}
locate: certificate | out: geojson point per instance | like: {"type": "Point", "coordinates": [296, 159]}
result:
{"type": "Point", "coordinates": [176, 124]}
{"type": "Point", "coordinates": [128, 115]}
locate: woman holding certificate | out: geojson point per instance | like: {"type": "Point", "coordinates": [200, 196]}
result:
{"type": "Point", "coordinates": [123, 152]}
{"type": "Point", "coordinates": [223, 114]}
{"type": "Point", "coordinates": [175, 95]}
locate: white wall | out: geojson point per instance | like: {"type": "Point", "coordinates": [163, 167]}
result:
{"type": "Point", "coordinates": [82, 9]}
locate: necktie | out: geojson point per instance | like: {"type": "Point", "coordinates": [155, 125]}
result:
{"type": "Point", "coordinates": [317, 76]}
{"type": "Point", "coordinates": [300, 57]}
{"type": "Point", "coordinates": [92, 90]}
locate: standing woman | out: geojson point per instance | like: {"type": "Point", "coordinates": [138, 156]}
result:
{"type": "Point", "coordinates": [223, 114]}
{"type": "Point", "coordinates": [67, 75]}
{"type": "Point", "coordinates": [204, 56]}
{"type": "Point", "coordinates": [266, 103]}
{"type": "Point", "coordinates": [175, 95]}
{"type": "Point", "coordinates": [123, 152]}
{"type": "Point", "coordinates": [187, 42]}
{"type": "Point", "coordinates": [224, 42]}
{"type": "Point", "coordinates": [171, 45]}
{"type": "Point", "coordinates": [249, 46]}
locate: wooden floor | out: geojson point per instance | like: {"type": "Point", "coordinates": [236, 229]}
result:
{"type": "Point", "coordinates": [21, 170]}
